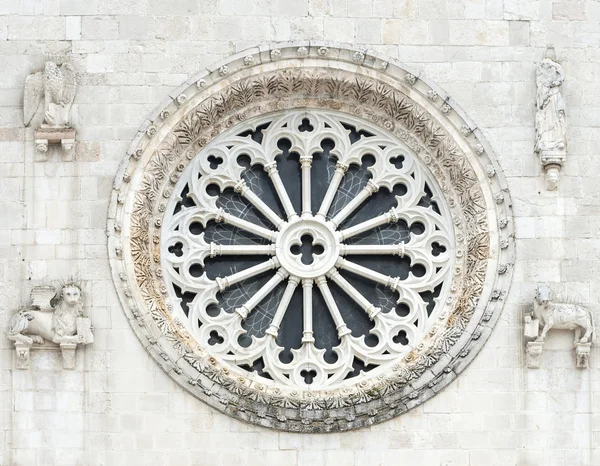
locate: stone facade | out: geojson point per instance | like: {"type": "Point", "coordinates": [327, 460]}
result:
{"type": "Point", "coordinates": [118, 406]}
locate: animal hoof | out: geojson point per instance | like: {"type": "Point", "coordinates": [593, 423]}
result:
{"type": "Point", "coordinates": [584, 340]}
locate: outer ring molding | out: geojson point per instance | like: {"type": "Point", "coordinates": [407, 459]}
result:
{"type": "Point", "coordinates": [359, 82]}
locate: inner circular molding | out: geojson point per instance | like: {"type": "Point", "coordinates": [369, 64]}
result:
{"type": "Point", "coordinates": [322, 246]}
{"type": "Point", "coordinates": [308, 244]}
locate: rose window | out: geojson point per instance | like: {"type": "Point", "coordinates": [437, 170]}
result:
{"type": "Point", "coordinates": [311, 238]}
{"type": "Point", "coordinates": [307, 248]}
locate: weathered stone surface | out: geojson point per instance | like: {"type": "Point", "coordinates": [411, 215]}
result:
{"type": "Point", "coordinates": [111, 408]}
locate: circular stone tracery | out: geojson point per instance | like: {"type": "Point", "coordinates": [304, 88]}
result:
{"type": "Point", "coordinates": [465, 187]}
{"type": "Point", "coordinates": [377, 254]}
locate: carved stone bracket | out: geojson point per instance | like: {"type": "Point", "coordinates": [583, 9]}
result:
{"type": "Point", "coordinates": [582, 352]}
{"type": "Point", "coordinates": [68, 355]}
{"type": "Point", "coordinates": [43, 325]}
{"type": "Point", "coordinates": [22, 350]}
{"type": "Point", "coordinates": [533, 354]}
{"type": "Point", "coordinates": [46, 136]}
{"type": "Point", "coordinates": [552, 161]}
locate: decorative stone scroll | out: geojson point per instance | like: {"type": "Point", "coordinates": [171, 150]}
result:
{"type": "Point", "coordinates": [548, 315]}
{"type": "Point", "coordinates": [550, 126]}
{"type": "Point", "coordinates": [51, 322]}
{"type": "Point", "coordinates": [300, 153]}
{"type": "Point", "coordinates": [56, 86]}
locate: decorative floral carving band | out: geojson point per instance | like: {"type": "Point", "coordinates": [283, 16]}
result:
{"type": "Point", "coordinates": [195, 191]}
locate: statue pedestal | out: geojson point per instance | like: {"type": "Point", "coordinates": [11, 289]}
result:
{"type": "Point", "coordinates": [68, 355]}
{"type": "Point", "coordinates": [552, 161]}
{"type": "Point", "coordinates": [533, 354]}
{"type": "Point", "coordinates": [47, 135]}
{"type": "Point", "coordinates": [582, 353]}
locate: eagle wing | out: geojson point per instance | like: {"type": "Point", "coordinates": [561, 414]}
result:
{"type": "Point", "coordinates": [69, 84]}
{"type": "Point", "coordinates": [32, 97]}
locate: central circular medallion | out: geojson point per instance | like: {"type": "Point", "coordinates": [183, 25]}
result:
{"type": "Point", "coordinates": [307, 247]}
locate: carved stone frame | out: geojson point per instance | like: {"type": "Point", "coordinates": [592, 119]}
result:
{"type": "Point", "coordinates": [318, 75]}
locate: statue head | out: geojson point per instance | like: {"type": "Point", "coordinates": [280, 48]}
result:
{"type": "Point", "coordinates": [552, 177]}
{"type": "Point", "coordinates": [542, 295]}
{"type": "Point", "coordinates": [549, 73]}
{"type": "Point", "coordinates": [50, 66]}
{"type": "Point", "coordinates": [70, 294]}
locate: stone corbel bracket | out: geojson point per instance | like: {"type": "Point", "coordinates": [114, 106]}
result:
{"type": "Point", "coordinates": [552, 162]}
{"type": "Point", "coordinates": [44, 326]}
{"type": "Point", "coordinates": [44, 137]}
{"type": "Point", "coordinates": [547, 315]}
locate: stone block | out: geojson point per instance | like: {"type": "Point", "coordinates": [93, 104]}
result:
{"type": "Point", "coordinates": [175, 8]}
{"type": "Point", "coordinates": [172, 27]}
{"type": "Point", "coordinates": [99, 27]}
{"type": "Point", "coordinates": [521, 11]}
{"type": "Point", "coordinates": [4, 28]}
{"type": "Point", "coordinates": [479, 32]}
{"type": "Point", "coordinates": [339, 29]}
{"type": "Point", "coordinates": [518, 33]}
{"type": "Point", "coordinates": [136, 27]}
{"type": "Point", "coordinates": [405, 32]}
{"type": "Point", "coordinates": [569, 10]}
{"type": "Point", "coordinates": [122, 7]}
{"type": "Point", "coordinates": [73, 27]}
{"type": "Point", "coordinates": [367, 31]}
{"type": "Point", "coordinates": [360, 9]}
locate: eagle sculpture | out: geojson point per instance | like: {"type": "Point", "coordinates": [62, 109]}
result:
{"type": "Point", "coordinates": [56, 84]}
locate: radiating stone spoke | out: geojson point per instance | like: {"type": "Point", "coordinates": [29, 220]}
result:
{"type": "Point", "coordinates": [365, 272]}
{"type": "Point", "coordinates": [273, 329]}
{"type": "Point", "coordinates": [242, 188]}
{"type": "Point", "coordinates": [245, 225]}
{"type": "Point", "coordinates": [340, 325]}
{"type": "Point", "coordinates": [307, 311]}
{"type": "Point", "coordinates": [273, 173]}
{"type": "Point", "coordinates": [338, 174]}
{"type": "Point", "coordinates": [198, 250]}
{"type": "Point", "coordinates": [226, 282]}
{"type": "Point", "coordinates": [361, 197]}
{"type": "Point", "coordinates": [398, 249]}
{"type": "Point", "coordinates": [306, 164]}
{"type": "Point", "coordinates": [241, 249]}
{"type": "Point", "coordinates": [261, 294]}
{"type": "Point", "coordinates": [345, 285]}
{"type": "Point", "coordinates": [388, 217]}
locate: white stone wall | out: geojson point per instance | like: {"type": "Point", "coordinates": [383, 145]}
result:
{"type": "Point", "coordinates": [117, 407]}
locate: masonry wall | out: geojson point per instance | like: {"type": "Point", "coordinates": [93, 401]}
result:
{"type": "Point", "coordinates": [117, 407]}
